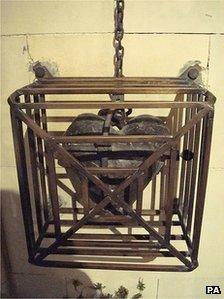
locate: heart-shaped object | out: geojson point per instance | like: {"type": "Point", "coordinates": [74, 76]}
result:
{"type": "Point", "coordinates": [122, 154]}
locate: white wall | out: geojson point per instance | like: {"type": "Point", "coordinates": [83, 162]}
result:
{"type": "Point", "coordinates": [76, 37]}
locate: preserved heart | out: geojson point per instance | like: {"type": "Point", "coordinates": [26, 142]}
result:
{"type": "Point", "coordinates": [116, 155]}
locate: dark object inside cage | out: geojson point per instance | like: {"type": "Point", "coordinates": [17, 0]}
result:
{"type": "Point", "coordinates": [105, 186]}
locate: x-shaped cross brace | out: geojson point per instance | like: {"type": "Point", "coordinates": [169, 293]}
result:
{"type": "Point", "coordinates": [110, 196]}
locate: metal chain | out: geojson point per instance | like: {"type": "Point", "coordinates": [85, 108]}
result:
{"type": "Point", "coordinates": [120, 115]}
{"type": "Point", "coordinates": [118, 35]}
{"type": "Point", "coordinates": [119, 49]}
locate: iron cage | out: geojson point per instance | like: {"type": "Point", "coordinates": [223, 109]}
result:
{"type": "Point", "coordinates": [160, 230]}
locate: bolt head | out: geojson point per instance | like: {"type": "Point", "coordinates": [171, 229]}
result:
{"type": "Point", "coordinates": [39, 72]}
{"type": "Point", "coordinates": [193, 74]}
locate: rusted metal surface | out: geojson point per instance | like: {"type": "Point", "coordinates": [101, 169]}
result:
{"type": "Point", "coordinates": [108, 164]}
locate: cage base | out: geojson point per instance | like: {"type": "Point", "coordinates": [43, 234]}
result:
{"type": "Point", "coordinates": [105, 250]}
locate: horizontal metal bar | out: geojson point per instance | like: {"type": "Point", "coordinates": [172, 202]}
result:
{"type": "Point", "coordinates": [112, 252]}
{"type": "Point", "coordinates": [127, 222]}
{"type": "Point", "coordinates": [145, 212]}
{"type": "Point", "coordinates": [112, 266]}
{"type": "Point", "coordinates": [112, 90]}
{"type": "Point", "coordinates": [104, 170]}
{"type": "Point", "coordinates": [111, 84]}
{"type": "Point", "coordinates": [71, 118]}
{"type": "Point", "coordinates": [111, 105]}
{"type": "Point", "coordinates": [123, 237]}
{"type": "Point", "coordinates": [113, 244]}
{"type": "Point", "coordinates": [111, 79]}
{"type": "Point", "coordinates": [111, 138]}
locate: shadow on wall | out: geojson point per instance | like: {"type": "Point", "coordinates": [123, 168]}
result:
{"type": "Point", "coordinates": [21, 279]}
{"type": "Point", "coordinates": [6, 279]}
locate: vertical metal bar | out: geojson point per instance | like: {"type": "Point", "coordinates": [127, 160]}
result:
{"type": "Point", "coordinates": [153, 196]}
{"type": "Point", "coordinates": [74, 208]}
{"type": "Point", "coordinates": [162, 195]}
{"type": "Point", "coordinates": [52, 186]}
{"type": "Point", "coordinates": [34, 173]}
{"type": "Point", "coordinates": [179, 125]}
{"type": "Point", "coordinates": [132, 193]}
{"type": "Point", "coordinates": [194, 173]}
{"type": "Point", "coordinates": [106, 130]}
{"type": "Point", "coordinates": [129, 231]}
{"type": "Point", "coordinates": [40, 153]}
{"type": "Point", "coordinates": [202, 181]}
{"type": "Point", "coordinates": [171, 194]}
{"type": "Point", "coordinates": [162, 187]}
{"type": "Point", "coordinates": [166, 181]}
{"type": "Point", "coordinates": [43, 113]}
{"type": "Point", "coordinates": [175, 121]}
{"type": "Point", "coordinates": [85, 194]}
{"type": "Point", "coordinates": [183, 164]}
{"type": "Point", "coordinates": [140, 181]}
{"type": "Point", "coordinates": [20, 155]}
{"type": "Point", "coordinates": [174, 117]}
{"type": "Point", "coordinates": [169, 121]}
{"type": "Point", "coordinates": [189, 166]}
